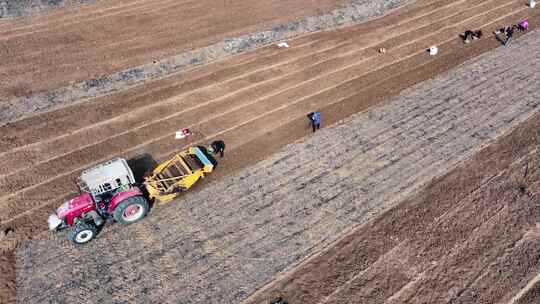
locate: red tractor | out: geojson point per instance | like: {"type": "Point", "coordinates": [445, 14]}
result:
{"type": "Point", "coordinates": [109, 193]}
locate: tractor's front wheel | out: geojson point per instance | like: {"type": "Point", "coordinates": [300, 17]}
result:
{"type": "Point", "coordinates": [131, 210]}
{"type": "Point", "coordinates": [82, 233]}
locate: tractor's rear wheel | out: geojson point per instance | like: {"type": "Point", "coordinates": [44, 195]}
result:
{"type": "Point", "coordinates": [82, 233]}
{"type": "Point", "coordinates": [131, 210]}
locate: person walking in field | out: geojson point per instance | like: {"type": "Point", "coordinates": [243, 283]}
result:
{"type": "Point", "coordinates": [509, 34]}
{"type": "Point", "coordinates": [217, 146]}
{"type": "Point", "coordinates": [315, 120]}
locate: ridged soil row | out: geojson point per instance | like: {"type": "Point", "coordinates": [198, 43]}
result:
{"type": "Point", "coordinates": [443, 242]}
{"type": "Point", "coordinates": [208, 78]}
{"type": "Point", "coordinates": [530, 294]}
{"type": "Point", "coordinates": [174, 122]}
{"type": "Point", "coordinates": [198, 107]}
{"type": "Point", "coordinates": [33, 159]}
{"type": "Point", "coordinates": [139, 34]}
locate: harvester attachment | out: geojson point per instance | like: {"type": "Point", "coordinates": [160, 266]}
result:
{"type": "Point", "coordinates": [177, 174]}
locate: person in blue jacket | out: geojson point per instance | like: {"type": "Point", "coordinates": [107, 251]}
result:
{"type": "Point", "coordinates": [315, 120]}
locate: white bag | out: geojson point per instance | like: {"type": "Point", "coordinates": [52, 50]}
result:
{"type": "Point", "coordinates": [182, 134]}
{"type": "Point", "coordinates": [283, 45]}
{"type": "Point", "coordinates": [532, 3]}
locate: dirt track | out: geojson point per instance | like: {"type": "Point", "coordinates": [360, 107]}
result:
{"type": "Point", "coordinates": [242, 100]}
{"type": "Point", "coordinates": [222, 243]}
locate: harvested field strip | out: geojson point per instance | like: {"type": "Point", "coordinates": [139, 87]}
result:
{"type": "Point", "coordinates": [402, 155]}
{"type": "Point", "coordinates": [405, 234]}
{"type": "Point", "coordinates": [226, 241]}
{"type": "Point", "coordinates": [236, 69]}
{"type": "Point", "coordinates": [60, 191]}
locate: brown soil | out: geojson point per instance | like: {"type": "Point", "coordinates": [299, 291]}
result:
{"type": "Point", "coordinates": [529, 294]}
{"type": "Point", "coordinates": [7, 279]}
{"type": "Point", "coordinates": [256, 102]}
{"type": "Point", "coordinates": [44, 153]}
{"type": "Point", "coordinates": [471, 236]}
{"type": "Point", "coordinates": [226, 241]}
{"type": "Point", "coordinates": [52, 50]}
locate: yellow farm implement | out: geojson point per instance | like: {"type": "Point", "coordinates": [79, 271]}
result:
{"type": "Point", "coordinates": [177, 174]}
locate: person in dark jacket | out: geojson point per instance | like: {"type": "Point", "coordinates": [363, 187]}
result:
{"type": "Point", "coordinates": [469, 36]}
{"type": "Point", "coordinates": [509, 34]}
{"type": "Point", "coordinates": [217, 146]}
{"type": "Point", "coordinates": [315, 120]}
{"type": "Point", "coordinates": [508, 31]}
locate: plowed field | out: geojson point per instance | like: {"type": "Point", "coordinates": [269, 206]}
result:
{"type": "Point", "coordinates": [49, 51]}
{"type": "Point", "coordinates": [257, 103]}
{"type": "Point", "coordinates": [221, 244]}
{"type": "Point", "coordinates": [472, 236]}
{"type": "Point", "coordinates": [241, 100]}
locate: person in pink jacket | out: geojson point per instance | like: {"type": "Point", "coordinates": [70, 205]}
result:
{"type": "Point", "coordinates": [523, 25]}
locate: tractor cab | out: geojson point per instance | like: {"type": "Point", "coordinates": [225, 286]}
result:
{"type": "Point", "coordinates": [106, 179]}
